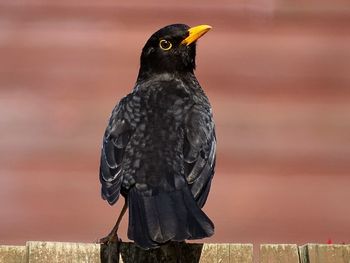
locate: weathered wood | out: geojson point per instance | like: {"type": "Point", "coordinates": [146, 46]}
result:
{"type": "Point", "coordinates": [303, 254]}
{"type": "Point", "coordinates": [191, 252]}
{"type": "Point", "coordinates": [180, 252]}
{"type": "Point", "coordinates": [62, 252]}
{"type": "Point", "coordinates": [209, 253]}
{"type": "Point", "coordinates": [317, 253]}
{"type": "Point", "coordinates": [279, 253]}
{"type": "Point", "coordinates": [241, 253]}
{"type": "Point", "coordinates": [12, 254]}
{"type": "Point", "coordinates": [124, 254]}
{"type": "Point", "coordinates": [111, 252]}
{"type": "Point", "coordinates": [223, 253]}
{"type": "Point", "coordinates": [173, 252]}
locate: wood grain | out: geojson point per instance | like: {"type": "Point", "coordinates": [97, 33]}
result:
{"type": "Point", "coordinates": [279, 253]}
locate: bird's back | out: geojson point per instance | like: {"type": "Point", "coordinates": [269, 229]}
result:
{"type": "Point", "coordinates": [159, 146]}
{"type": "Point", "coordinates": [156, 146]}
{"type": "Point", "coordinates": [161, 200]}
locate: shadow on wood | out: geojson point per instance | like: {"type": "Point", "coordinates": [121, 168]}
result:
{"type": "Point", "coordinates": [172, 252]}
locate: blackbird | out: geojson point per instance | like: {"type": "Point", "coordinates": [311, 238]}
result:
{"type": "Point", "coordinates": [159, 146]}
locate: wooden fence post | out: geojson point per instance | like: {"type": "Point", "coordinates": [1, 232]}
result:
{"type": "Point", "coordinates": [318, 253]}
{"type": "Point", "coordinates": [13, 254]}
{"type": "Point", "coordinates": [279, 253]}
{"type": "Point", "coordinates": [62, 252]}
{"type": "Point", "coordinates": [241, 253]}
{"type": "Point", "coordinates": [186, 252]}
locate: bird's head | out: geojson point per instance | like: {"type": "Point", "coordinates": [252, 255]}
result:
{"type": "Point", "coordinates": [171, 49]}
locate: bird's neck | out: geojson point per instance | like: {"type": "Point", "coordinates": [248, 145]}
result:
{"type": "Point", "coordinates": [147, 75]}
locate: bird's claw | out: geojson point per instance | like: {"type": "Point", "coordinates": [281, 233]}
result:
{"type": "Point", "coordinates": [110, 248]}
{"type": "Point", "coordinates": [111, 238]}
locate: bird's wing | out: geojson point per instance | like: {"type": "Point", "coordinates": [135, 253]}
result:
{"type": "Point", "coordinates": [115, 140]}
{"type": "Point", "coordinates": [199, 152]}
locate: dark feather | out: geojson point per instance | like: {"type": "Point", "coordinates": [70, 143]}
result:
{"type": "Point", "coordinates": [159, 147]}
{"type": "Point", "coordinates": [164, 217]}
{"type": "Point", "coordinates": [111, 174]}
{"type": "Point", "coordinates": [200, 137]}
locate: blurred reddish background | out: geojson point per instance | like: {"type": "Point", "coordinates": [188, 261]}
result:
{"type": "Point", "coordinates": [276, 71]}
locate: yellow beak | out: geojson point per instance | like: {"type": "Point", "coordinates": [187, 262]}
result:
{"type": "Point", "coordinates": [195, 33]}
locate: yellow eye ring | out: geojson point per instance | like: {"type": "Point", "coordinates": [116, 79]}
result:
{"type": "Point", "coordinates": [165, 44]}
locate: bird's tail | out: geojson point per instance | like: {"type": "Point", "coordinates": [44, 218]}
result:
{"type": "Point", "coordinates": [171, 216]}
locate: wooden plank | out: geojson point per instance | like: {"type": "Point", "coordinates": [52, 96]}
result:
{"type": "Point", "coordinates": [241, 253]}
{"type": "Point", "coordinates": [303, 254]}
{"type": "Point", "coordinates": [113, 252]}
{"type": "Point", "coordinates": [209, 253]}
{"type": "Point", "coordinates": [124, 253]}
{"type": "Point", "coordinates": [12, 254]}
{"type": "Point", "coordinates": [62, 252]}
{"type": "Point", "coordinates": [191, 252]}
{"type": "Point", "coordinates": [279, 253]}
{"type": "Point", "coordinates": [166, 253]}
{"type": "Point", "coordinates": [322, 253]}
{"type": "Point", "coordinates": [183, 252]}
{"type": "Point", "coordinates": [139, 255]}
{"type": "Point", "coordinates": [223, 253]}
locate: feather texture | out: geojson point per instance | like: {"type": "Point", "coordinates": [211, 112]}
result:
{"type": "Point", "coordinates": [159, 148]}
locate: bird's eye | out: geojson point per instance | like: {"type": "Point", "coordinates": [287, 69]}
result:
{"type": "Point", "coordinates": [165, 44]}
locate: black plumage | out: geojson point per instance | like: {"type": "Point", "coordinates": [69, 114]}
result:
{"type": "Point", "coordinates": [159, 146]}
